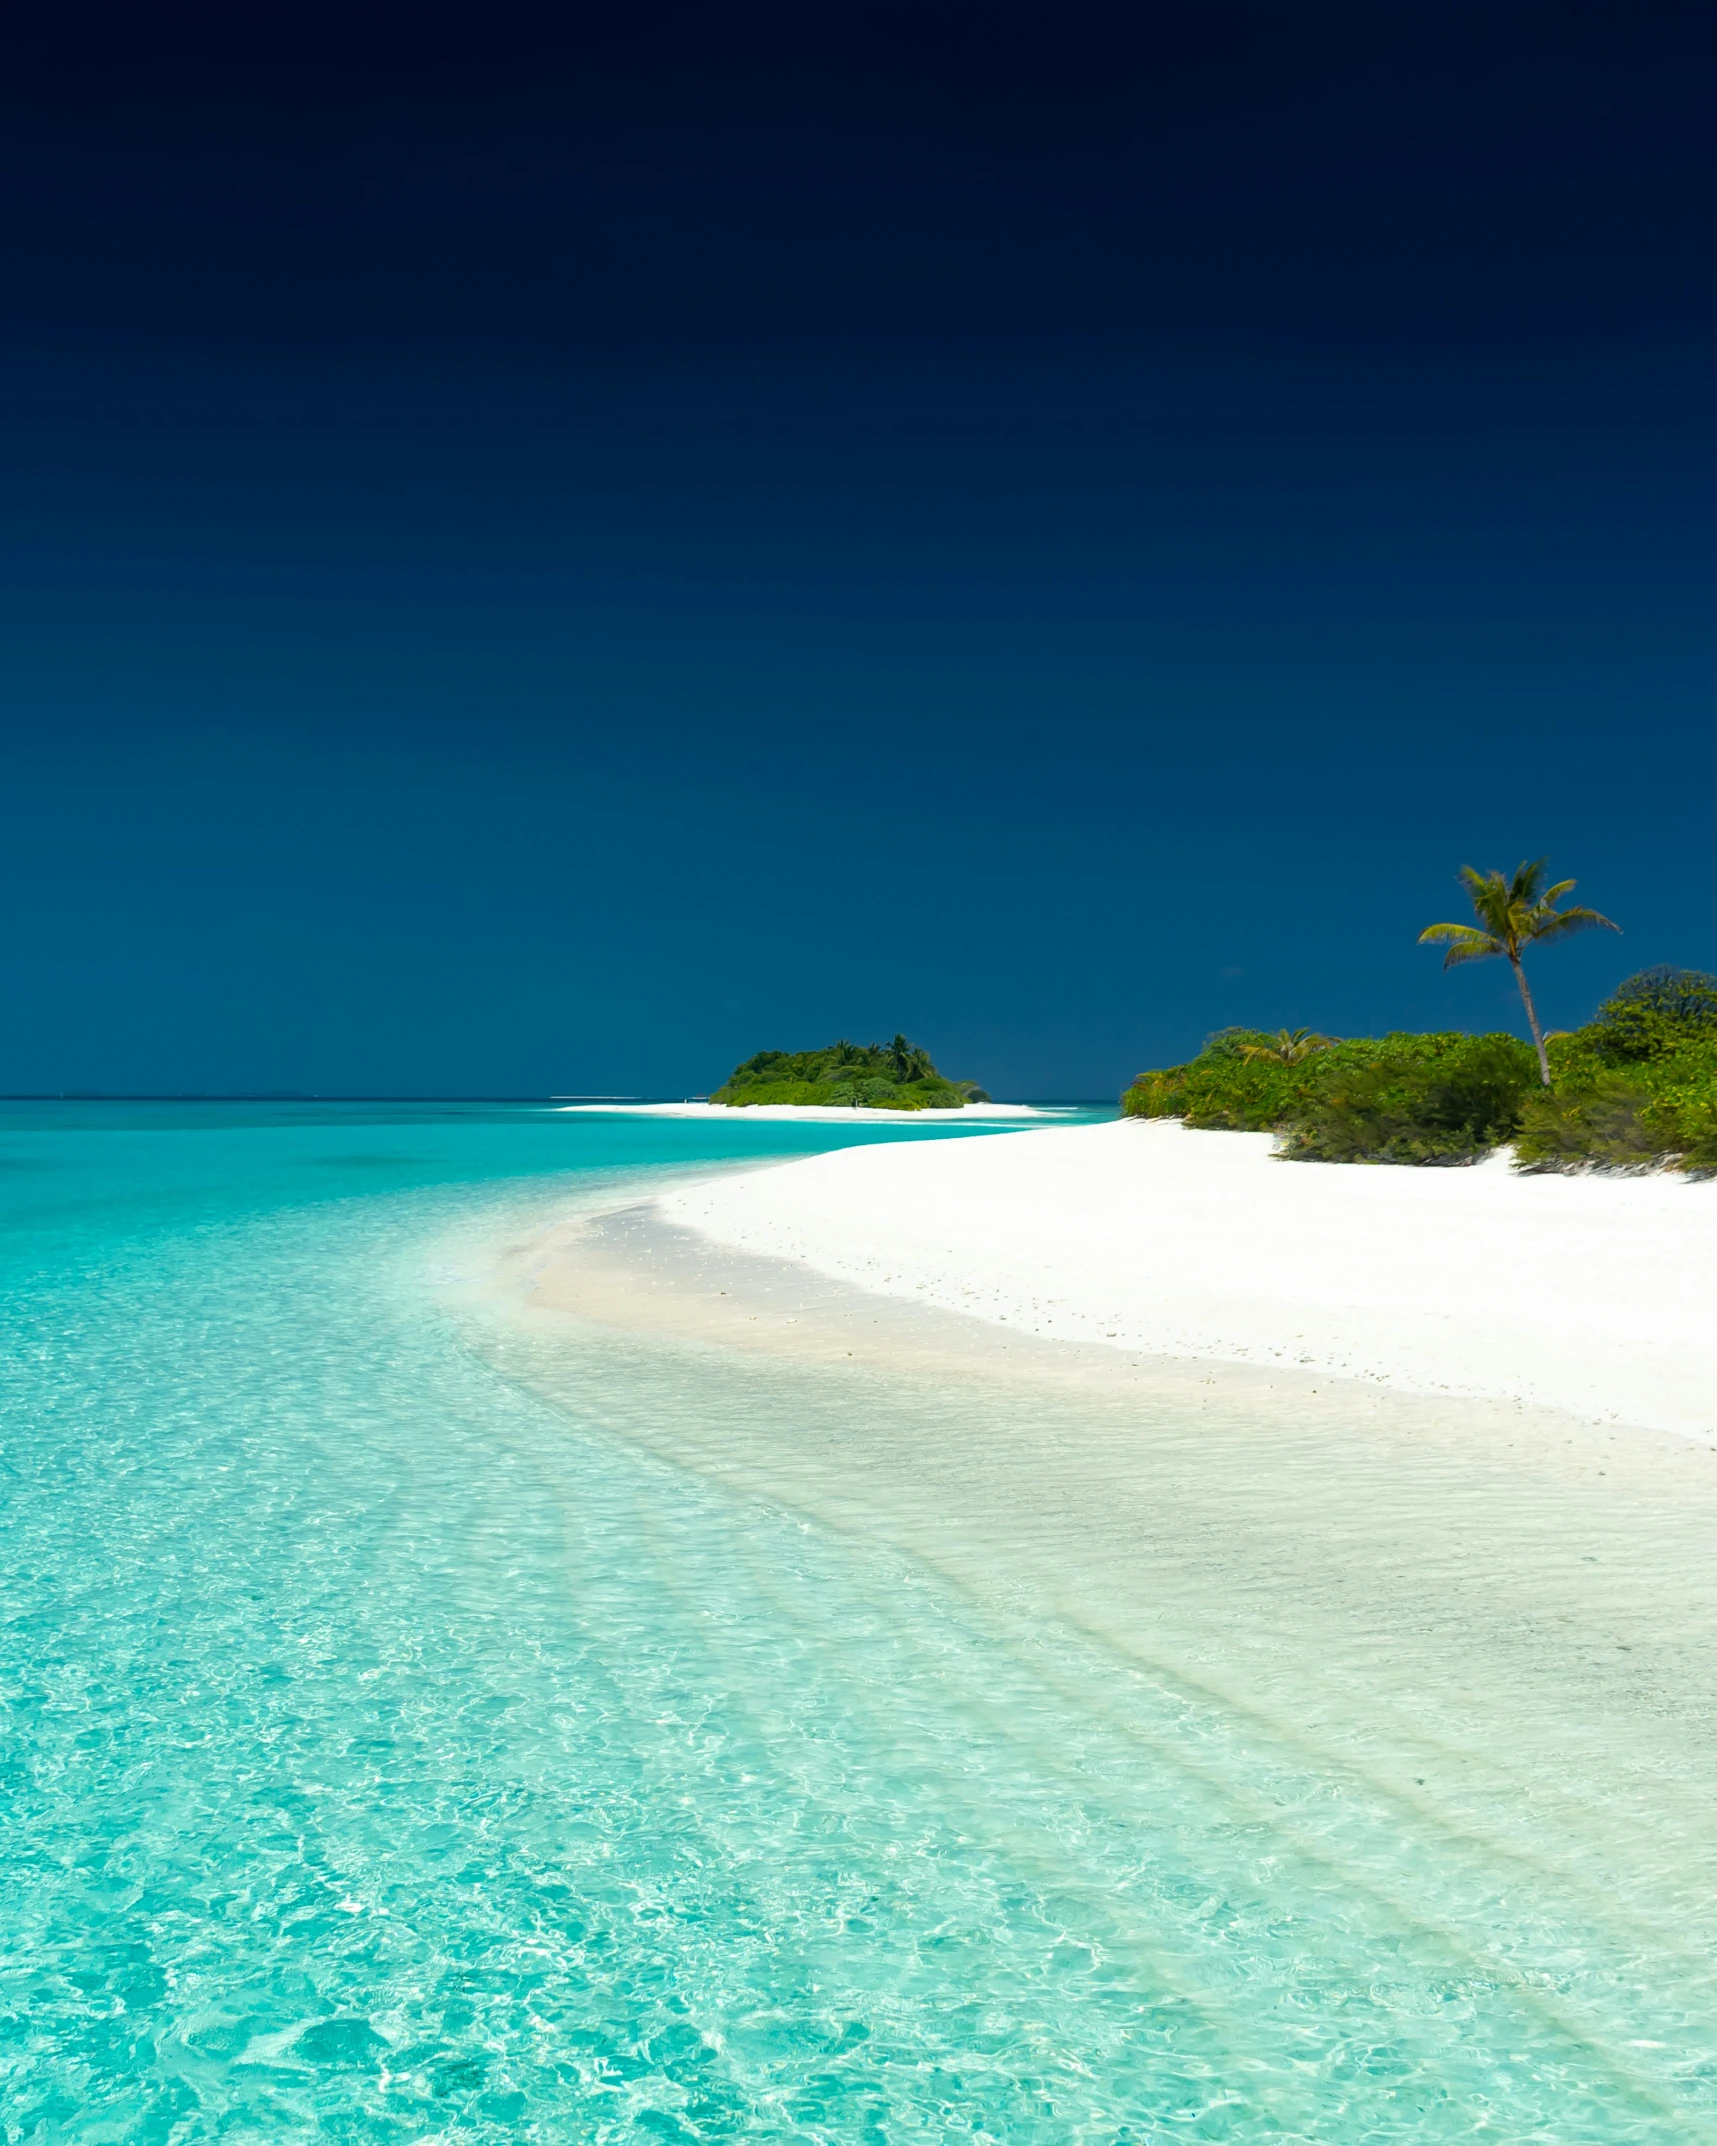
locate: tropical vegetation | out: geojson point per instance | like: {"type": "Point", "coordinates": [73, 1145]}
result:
{"type": "Point", "coordinates": [1636, 1088]}
{"type": "Point", "coordinates": [857, 1076]}
{"type": "Point", "coordinates": [1446, 1098]}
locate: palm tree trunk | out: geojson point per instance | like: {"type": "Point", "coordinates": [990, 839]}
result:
{"type": "Point", "coordinates": [1532, 1020]}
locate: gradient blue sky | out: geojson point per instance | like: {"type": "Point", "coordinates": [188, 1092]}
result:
{"type": "Point", "coordinates": [545, 555]}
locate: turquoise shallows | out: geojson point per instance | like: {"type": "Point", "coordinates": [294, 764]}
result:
{"type": "Point", "coordinates": [389, 1755]}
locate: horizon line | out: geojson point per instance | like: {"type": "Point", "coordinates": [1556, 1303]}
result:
{"type": "Point", "coordinates": [299, 1095]}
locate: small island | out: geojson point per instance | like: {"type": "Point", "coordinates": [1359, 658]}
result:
{"type": "Point", "coordinates": [855, 1076]}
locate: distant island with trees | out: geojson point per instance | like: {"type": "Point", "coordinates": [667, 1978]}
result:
{"type": "Point", "coordinates": [847, 1076]}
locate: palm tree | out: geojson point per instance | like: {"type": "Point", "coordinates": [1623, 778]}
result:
{"type": "Point", "coordinates": [1514, 914]}
{"type": "Point", "coordinates": [908, 1060]}
{"type": "Point", "coordinates": [1287, 1046]}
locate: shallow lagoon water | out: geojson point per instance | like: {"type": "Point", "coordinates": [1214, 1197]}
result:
{"type": "Point", "coordinates": [403, 1743]}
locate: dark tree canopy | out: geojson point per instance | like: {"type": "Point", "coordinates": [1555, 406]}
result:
{"type": "Point", "coordinates": [897, 1075]}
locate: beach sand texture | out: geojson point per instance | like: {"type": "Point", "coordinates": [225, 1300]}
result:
{"type": "Point", "coordinates": [1463, 1650]}
{"type": "Point", "coordinates": [1594, 1296]}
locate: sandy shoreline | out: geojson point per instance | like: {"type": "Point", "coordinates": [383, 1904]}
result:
{"type": "Point", "coordinates": [1589, 1296]}
{"type": "Point", "coordinates": [1496, 1623]}
{"type": "Point", "coordinates": [1463, 1654]}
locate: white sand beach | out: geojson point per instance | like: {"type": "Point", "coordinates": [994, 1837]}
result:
{"type": "Point", "coordinates": [1083, 1376]}
{"type": "Point", "coordinates": [1593, 1296]}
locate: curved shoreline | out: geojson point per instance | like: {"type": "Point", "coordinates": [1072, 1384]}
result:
{"type": "Point", "coordinates": [1499, 1620]}
{"type": "Point", "coordinates": [1590, 1296]}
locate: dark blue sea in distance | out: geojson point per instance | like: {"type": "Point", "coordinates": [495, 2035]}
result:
{"type": "Point", "coordinates": [394, 1754]}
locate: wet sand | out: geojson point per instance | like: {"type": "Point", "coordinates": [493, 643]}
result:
{"type": "Point", "coordinates": [1490, 1622]}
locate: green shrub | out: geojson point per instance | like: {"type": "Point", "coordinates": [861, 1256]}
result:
{"type": "Point", "coordinates": [1452, 1103]}
{"type": "Point", "coordinates": [1693, 1127]}
{"type": "Point", "coordinates": [1622, 1121]}
{"type": "Point", "coordinates": [776, 1092]}
{"type": "Point", "coordinates": [1657, 1014]}
{"type": "Point", "coordinates": [1443, 1097]}
{"type": "Point", "coordinates": [1635, 1088]}
{"type": "Point", "coordinates": [1608, 1122]}
{"type": "Point", "coordinates": [1222, 1089]}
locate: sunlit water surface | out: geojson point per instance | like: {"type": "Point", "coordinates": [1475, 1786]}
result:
{"type": "Point", "coordinates": [392, 1753]}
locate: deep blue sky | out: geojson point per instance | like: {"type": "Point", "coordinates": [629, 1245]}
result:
{"type": "Point", "coordinates": [545, 555]}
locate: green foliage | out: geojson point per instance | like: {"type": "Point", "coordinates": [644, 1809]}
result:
{"type": "Point", "coordinates": [1657, 1014]}
{"type": "Point", "coordinates": [1605, 1122]}
{"type": "Point", "coordinates": [1511, 915]}
{"type": "Point", "coordinates": [1637, 1087]}
{"type": "Point", "coordinates": [1288, 1046]}
{"type": "Point", "coordinates": [1233, 1085]}
{"type": "Point", "coordinates": [1395, 1098]}
{"type": "Point", "coordinates": [1450, 1103]}
{"type": "Point", "coordinates": [1634, 1089]}
{"type": "Point", "coordinates": [854, 1076]}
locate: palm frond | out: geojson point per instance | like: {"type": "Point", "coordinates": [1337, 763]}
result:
{"type": "Point", "coordinates": [1480, 946]}
{"type": "Point", "coordinates": [1492, 899]}
{"type": "Point", "coordinates": [1288, 1046]}
{"type": "Point", "coordinates": [1464, 942]}
{"type": "Point", "coordinates": [1564, 923]}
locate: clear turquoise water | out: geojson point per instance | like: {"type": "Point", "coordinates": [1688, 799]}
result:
{"type": "Point", "coordinates": [390, 1755]}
